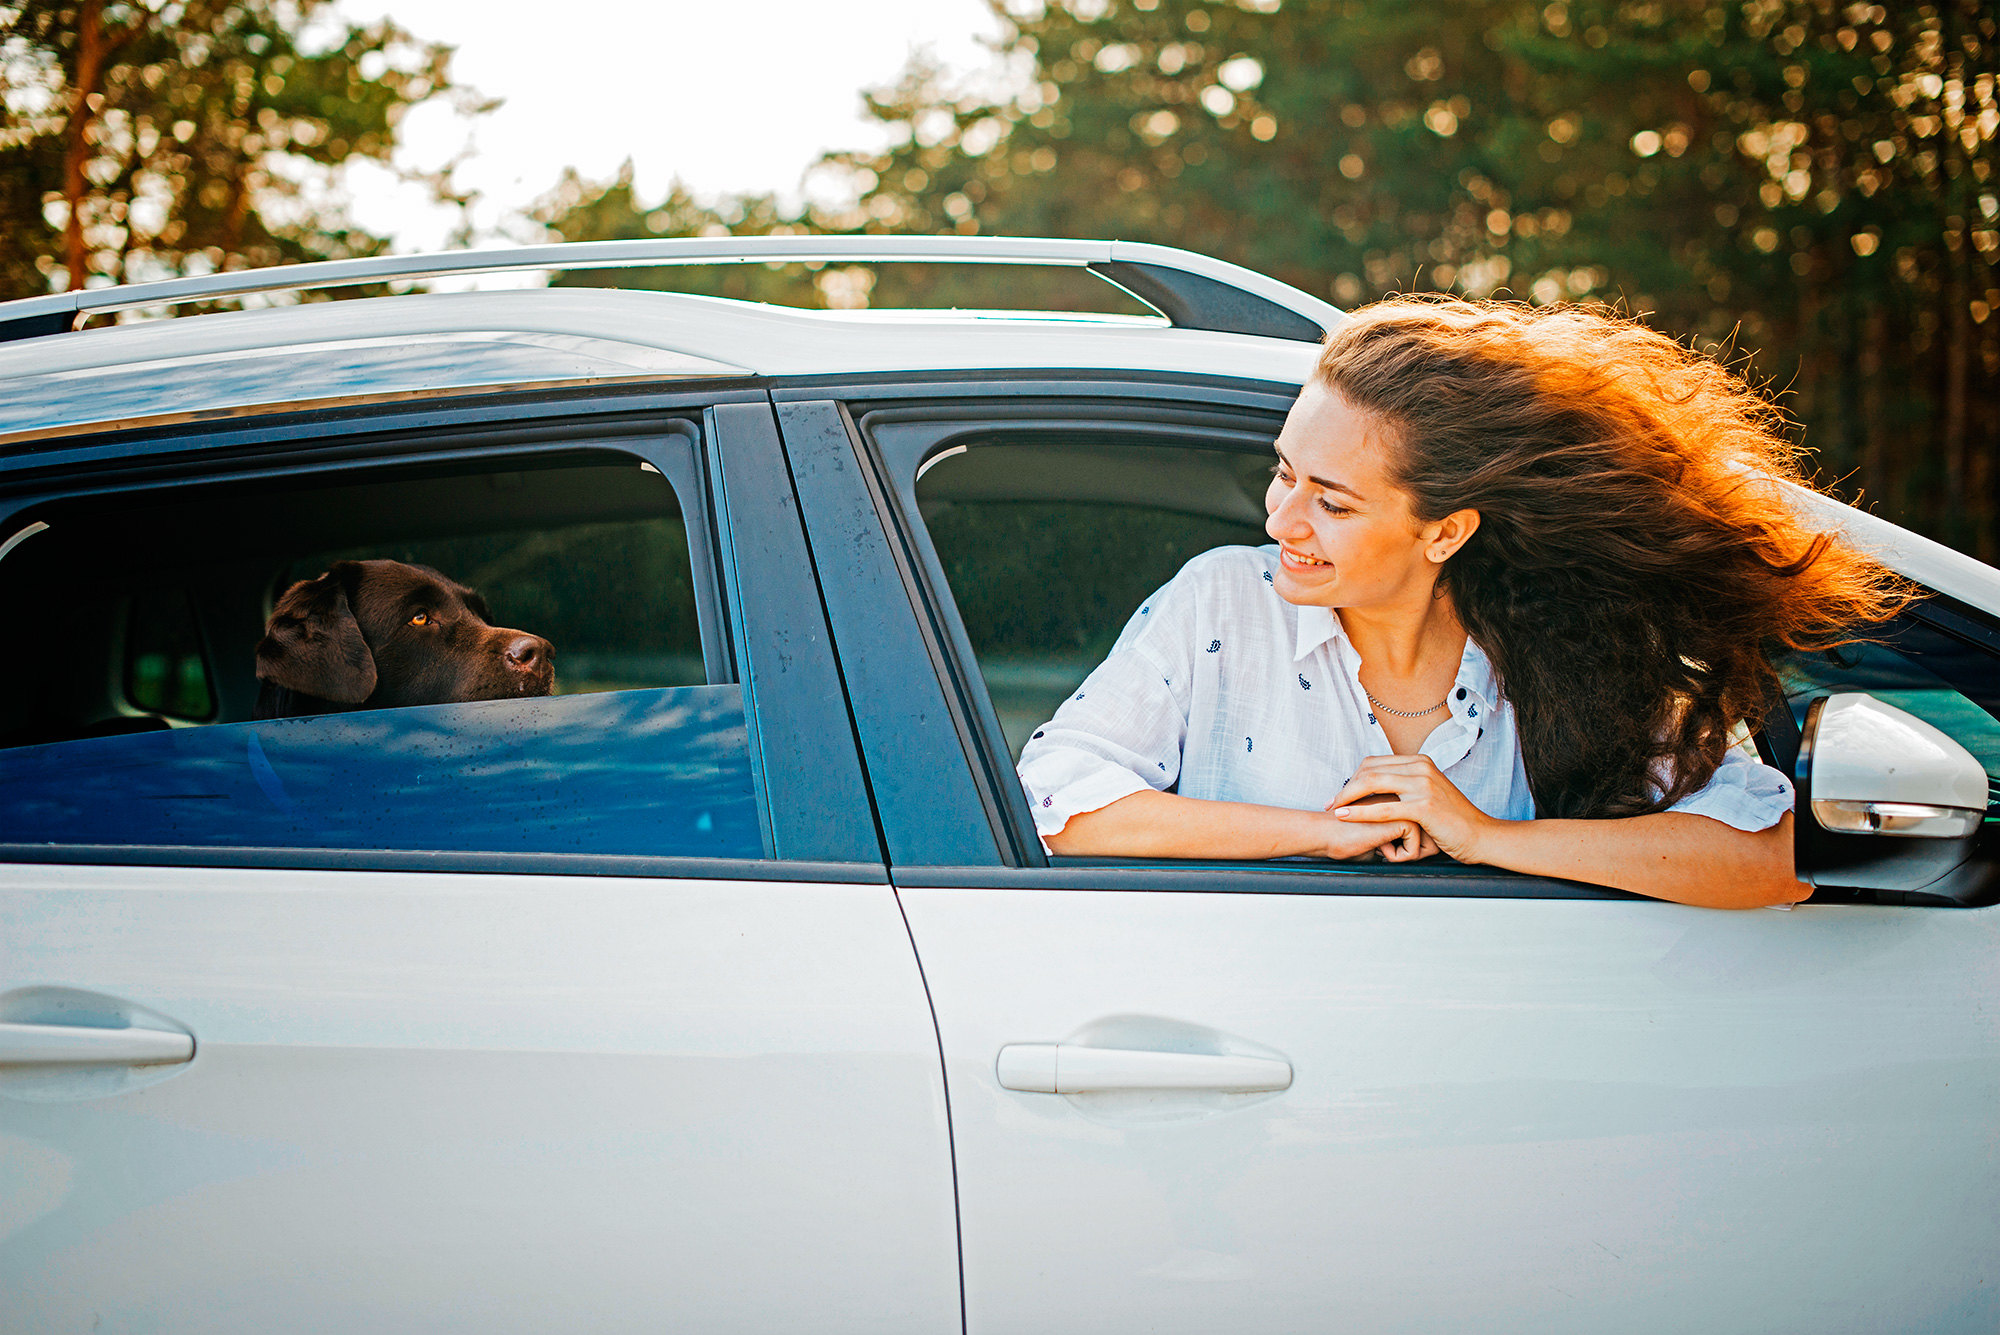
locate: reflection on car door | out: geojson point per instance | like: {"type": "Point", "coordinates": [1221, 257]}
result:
{"type": "Point", "coordinates": [1505, 1114]}
{"type": "Point", "coordinates": [478, 1103]}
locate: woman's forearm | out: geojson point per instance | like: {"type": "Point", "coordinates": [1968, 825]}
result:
{"type": "Point", "coordinates": [1673, 855]}
{"type": "Point", "coordinates": [1166, 825]}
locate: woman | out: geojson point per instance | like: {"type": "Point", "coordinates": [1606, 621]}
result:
{"type": "Point", "coordinates": [1528, 564]}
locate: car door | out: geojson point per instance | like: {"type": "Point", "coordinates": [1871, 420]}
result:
{"type": "Point", "coordinates": [1290, 1096]}
{"type": "Point", "coordinates": [593, 1012]}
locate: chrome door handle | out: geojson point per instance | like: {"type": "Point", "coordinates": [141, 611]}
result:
{"type": "Point", "coordinates": [84, 1045]}
{"type": "Point", "coordinates": [1068, 1068]}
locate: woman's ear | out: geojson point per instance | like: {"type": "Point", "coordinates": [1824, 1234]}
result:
{"type": "Point", "coordinates": [1447, 535]}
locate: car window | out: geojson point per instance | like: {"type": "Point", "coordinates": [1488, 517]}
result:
{"type": "Point", "coordinates": [1049, 542]}
{"type": "Point", "coordinates": [142, 719]}
{"type": "Point", "coordinates": [1091, 565]}
{"type": "Point", "coordinates": [1049, 548]}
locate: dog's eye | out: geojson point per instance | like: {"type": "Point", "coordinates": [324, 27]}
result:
{"type": "Point", "coordinates": [421, 619]}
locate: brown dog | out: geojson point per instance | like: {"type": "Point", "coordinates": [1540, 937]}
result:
{"type": "Point", "coordinates": [372, 634]}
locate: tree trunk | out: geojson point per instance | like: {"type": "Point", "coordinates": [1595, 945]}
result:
{"type": "Point", "coordinates": [91, 51]}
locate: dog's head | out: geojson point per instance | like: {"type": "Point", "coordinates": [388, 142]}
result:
{"type": "Point", "coordinates": [382, 633]}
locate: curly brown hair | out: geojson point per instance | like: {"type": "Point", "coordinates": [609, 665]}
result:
{"type": "Point", "coordinates": [1636, 555]}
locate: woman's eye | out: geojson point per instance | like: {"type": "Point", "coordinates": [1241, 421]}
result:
{"type": "Point", "coordinates": [1333, 509]}
{"type": "Point", "coordinates": [421, 619]}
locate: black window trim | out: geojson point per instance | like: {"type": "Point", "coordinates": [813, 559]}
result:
{"type": "Point", "coordinates": [1434, 878]}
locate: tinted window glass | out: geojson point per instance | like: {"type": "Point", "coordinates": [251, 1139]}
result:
{"type": "Point", "coordinates": [616, 599]}
{"type": "Point", "coordinates": [380, 704]}
{"type": "Point", "coordinates": [165, 670]}
{"type": "Point", "coordinates": [649, 772]}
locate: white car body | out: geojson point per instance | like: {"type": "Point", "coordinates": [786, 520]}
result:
{"type": "Point", "coordinates": [505, 1100]}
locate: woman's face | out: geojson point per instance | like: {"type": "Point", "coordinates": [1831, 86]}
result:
{"type": "Point", "coordinates": [1347, 537]}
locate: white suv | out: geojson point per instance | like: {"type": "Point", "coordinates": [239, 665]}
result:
{"type": "Point", "coordinates": [728, 988]}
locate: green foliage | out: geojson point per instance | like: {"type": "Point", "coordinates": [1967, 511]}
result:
{"type": "Point", "coordinates": [1806, 185]}
{"type": "Point", "coordinates": [144, 140]}
{"type": "Point", "coordinates": [580, 210]}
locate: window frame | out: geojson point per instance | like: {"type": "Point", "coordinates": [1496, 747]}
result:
{"type": "Point", "coordinates": [677, 434]}
{"type": "Point", "coordinates": [901, 440]}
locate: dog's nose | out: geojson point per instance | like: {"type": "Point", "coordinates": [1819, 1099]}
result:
{"type": "Point", "coordinates": [527, 652]}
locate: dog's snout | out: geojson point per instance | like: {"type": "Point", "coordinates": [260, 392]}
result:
{"type": "Point", "coordinates": [527, 652]}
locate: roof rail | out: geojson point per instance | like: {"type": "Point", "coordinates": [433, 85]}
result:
{"type": "Point", "coordinates": [1192, 291]}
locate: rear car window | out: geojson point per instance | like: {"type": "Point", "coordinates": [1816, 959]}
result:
{"type": "Point", "coordinates": [141, 721]}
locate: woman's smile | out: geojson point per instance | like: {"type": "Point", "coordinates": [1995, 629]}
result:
{"type": "Point", "coordinates": [1299, 562]}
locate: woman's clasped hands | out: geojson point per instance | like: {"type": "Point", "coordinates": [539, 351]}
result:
{"type": "Point", "coordinates": [1411, 791]}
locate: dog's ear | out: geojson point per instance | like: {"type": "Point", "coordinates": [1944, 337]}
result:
{"type": "Point", "coordinates": [313, 645]}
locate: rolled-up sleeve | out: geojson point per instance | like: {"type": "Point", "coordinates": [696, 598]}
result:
{"type": "Point", "coordinates": [1123, 730]}
{"type": "Point", "coordinates": [1743, 793]}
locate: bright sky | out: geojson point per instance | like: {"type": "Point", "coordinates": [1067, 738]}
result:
{"type": "Point", "coordinates": [728, 95]}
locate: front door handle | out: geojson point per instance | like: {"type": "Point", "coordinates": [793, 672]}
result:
{"type": "Point", "coordinates": [85, 1045]}
{"type": "Point", "coordinates": [1069, 1068]}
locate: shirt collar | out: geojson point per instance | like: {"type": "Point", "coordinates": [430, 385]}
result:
{"type": "Point", "coordinates": [1318, 625]}
{"type": "Point", "coordinates": [1475, 672]}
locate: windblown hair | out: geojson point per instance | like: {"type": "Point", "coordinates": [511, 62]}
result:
{"type": "Point", "coordinates": [1636, 555]}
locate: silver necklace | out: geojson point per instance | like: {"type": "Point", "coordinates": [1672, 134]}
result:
{"type": "Point", "coordinates": [1404, 713]}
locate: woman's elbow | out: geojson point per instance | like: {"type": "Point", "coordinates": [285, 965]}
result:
{"type": "Point", "coordinates": [1770, 878]}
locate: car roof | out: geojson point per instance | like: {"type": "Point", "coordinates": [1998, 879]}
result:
{"type": "Point", "coordinates": [385, 348]}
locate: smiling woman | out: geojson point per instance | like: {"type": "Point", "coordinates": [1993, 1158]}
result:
{"type": "Point", "coordinates": [1527, 564]}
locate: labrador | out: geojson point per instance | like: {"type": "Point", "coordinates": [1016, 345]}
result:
{"type": "Point", "coordinates": [373, 634]}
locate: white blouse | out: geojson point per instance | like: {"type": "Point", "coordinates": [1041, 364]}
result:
{"type": "Point", "coordinates": [1220, 689]}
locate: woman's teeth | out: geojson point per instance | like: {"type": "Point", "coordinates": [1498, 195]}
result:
{"type": "Point", "coordinates": [1305, 560]}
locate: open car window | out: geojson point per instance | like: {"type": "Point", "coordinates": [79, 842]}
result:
{"type": "Point", "coordinates": [1049, 549]}
{"type": "Point", "coordinates": [1046, 538]}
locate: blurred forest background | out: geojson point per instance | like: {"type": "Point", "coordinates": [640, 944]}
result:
{"type": "Point", "coordinates": [1806, 187]}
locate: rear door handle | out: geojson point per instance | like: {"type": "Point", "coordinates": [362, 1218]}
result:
{"type": "Point", "coordinates": [1068, 1068]}
{"type": "Point", "coordinates": [84, 1045]}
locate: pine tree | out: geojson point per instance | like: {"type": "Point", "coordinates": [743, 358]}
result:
{"type": "Point", "coordinates": [1802, 184]}
{"type": "Point", "coordinates": [144, 139]}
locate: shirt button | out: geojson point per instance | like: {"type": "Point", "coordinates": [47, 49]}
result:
{"type": "Point", "coordinates": [1461, 692]}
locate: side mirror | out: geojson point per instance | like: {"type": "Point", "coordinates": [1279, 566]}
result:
{"type": "Point", "coordinates": [1886, 801]}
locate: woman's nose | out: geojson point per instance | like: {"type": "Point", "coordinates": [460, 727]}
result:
{"type": "Point", "coordinates": [1287, 519]}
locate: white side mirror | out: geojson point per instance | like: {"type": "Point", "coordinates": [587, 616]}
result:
{"type": "Point", "coordinates": [1887, 802]}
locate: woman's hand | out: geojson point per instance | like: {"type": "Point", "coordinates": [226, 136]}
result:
{"type": "Point", "coordinates": [1395, 841]}
{"type": "Point", "coordinates": [1411, 788]}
